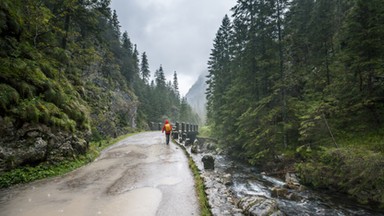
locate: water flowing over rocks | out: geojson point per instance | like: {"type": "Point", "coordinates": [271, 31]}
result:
{"type": "Point", "coordinates": [218, 186]}
{"type": "Point", "coordinates": [234, 188]}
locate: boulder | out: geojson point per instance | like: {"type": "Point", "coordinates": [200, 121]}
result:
{"type": "Point", "coordinates": [259, 206]}
{"type": "Point", "coordinates": [79, 145]}
{"type": "Point", "coordinates": [35, 143]}
{"type": "Point", "coordinates": [292, 182]}
{"type": "Point", "coordinates": [187, 142]}
{"type": "Point", "coordinates": [285, 194]}
{"type": "Point", "coordinates": [208, 161]}
{"type": "Point", "coordinates": [279, 192]}
{"type": "Point", "coordinates": [227, 179]}
{"type": "Point", "coordinates": [195, 149]}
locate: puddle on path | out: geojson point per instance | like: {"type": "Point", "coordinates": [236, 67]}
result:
{"type": "Point", "coordinates": [140, 202]}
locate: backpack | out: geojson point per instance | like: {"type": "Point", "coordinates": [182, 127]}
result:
{"type": "Point", "coordinates": [168, 128]}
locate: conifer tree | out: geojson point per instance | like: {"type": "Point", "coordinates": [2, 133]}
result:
{"type": "Point", "coordinates": [115, 24]}
{"type": "Point", "coordinates": [362, 49]}
{"type": "Point", "coordinates": [175, 85]}
{"type": "Point", "coordinates": [136, 63]}
{"type": "Point", "coordinates": [219, 72]}
{"type": "Point", "coordinates": [144, 68]}
{"type": "Point", "coordinates": [160, 78]}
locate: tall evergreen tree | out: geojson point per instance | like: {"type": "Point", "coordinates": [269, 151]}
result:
{"type": "Point", "coordinates": [127, 58]}
{"type": "Point", "coordinates": [175, 85]}
{"type": "Point", "coordinates": [219, 76]}
{"type": "Point", "coordinates": [144, 68]}
{"type": "Point", "coordinates": [160, 78]}
{"type": "Point", "coordinates": [136, 64]}
{"type": "Point", "coordinates": [361, 87]}
{"type": "Point", "coordinates": [115, 24]}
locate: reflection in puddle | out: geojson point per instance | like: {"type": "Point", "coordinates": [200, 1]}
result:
{"type": "Point", "coordinates": [142, 201]}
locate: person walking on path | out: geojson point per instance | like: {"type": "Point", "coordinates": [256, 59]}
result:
{"type": "Point", "coordinates": [167, 128]}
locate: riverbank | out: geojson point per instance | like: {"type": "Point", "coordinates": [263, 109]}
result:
{"type": "Point", "coordinates": [350, 170]}
{"type": "Point", "coordinates": [237, 188]}
{"type": "Point", "coordinates": [353, 168]}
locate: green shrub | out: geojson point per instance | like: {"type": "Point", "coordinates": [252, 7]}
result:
{"type": "Point", "coordinates": [205, 131]}
{"type": "Point", "coordinates": [26, 90]}
{"type": "Point", "coordinates": [355, 171]}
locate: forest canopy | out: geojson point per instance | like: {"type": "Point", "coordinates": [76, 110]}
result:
{"type": "Point", "coordinates": [285, 74]}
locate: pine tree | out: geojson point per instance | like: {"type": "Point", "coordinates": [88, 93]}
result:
{"type": "Point", "coordinates": [136, 63]}
{"type": "Point", "coordinates": [321, 35]}
{"type": "Point", "coordinates": [160, 78]}
{"type": "Point", "coordinates": [361, 87]}
{"type": "Point", "coordinates": [144, 68]}
{"type": "Point", "coordinates": [128, 61]}
{"type": "Point", "coordinates": [219, 76]}
{"type": "Point", "coordinates": [115, 24]}
{"type": "Point", "coordinates": [175, 85]}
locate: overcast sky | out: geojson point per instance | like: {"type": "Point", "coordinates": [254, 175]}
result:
{"type": "Point", "coordinates": [178, 34]}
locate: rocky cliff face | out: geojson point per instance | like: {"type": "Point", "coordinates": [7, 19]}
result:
{"type": "Point", "coordinates": [58, 91]}
{"type": "Point", "coordinates": [113, 109]}
{"type": "Point", "coordinates": [109, 109]}
{"type": "Point", "coordinates": [196, 97]}
{"type": "Point", "coordinates": [35, 143]}
{"type": "Point", "coordinates": [112, 113]}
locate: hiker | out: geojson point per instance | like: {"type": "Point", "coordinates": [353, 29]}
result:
{"type": "Point", "coordinates": [167, 128]}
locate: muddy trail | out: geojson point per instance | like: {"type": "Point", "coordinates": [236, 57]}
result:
{"type": "Point", "coordinates": [139, 175]}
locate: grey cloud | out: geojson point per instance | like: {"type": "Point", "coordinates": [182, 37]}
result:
{"type": "Point", "coordinates": [175, 33]}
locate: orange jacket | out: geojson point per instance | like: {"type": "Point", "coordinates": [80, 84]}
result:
{"type": "Point", "coordinates": [167, 132]}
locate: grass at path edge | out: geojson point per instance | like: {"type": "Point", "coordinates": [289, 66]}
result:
{"type": "Point", "coordinates": [199, 184]}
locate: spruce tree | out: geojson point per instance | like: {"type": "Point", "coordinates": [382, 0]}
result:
{"type": "Point", "coordinates": [175, 85]}
{"type": "Point", "coordinates": [144, 68]}
{"type": "Point", "coordinates": [362, 50]}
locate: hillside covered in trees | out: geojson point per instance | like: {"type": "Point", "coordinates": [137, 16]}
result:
{"type": "Point", "coordinates": [301, 83]}
{"type": "Point", "coordinates": [68, 76]}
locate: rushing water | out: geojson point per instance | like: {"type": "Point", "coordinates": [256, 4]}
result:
{"type": "Point", "coordinates": [249, 181]}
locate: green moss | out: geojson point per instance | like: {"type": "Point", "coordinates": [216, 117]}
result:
{"type": "Point", "coordinates": [8, 96]}
{"type": "Point", "coordinates": [200, 189]}
{"type": "Point", "coordinates": [48, 69]}
{"type": "Point", "coordinates": [37, 110]}
{"type": "Point", "coordinates": [55, 95]}
{"type": "Point", "coordinates": [205, 209]}
{"type": "Point", "coordinates": [25, 89]}
{"type": "Point", "coordinates": [11, 69]}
